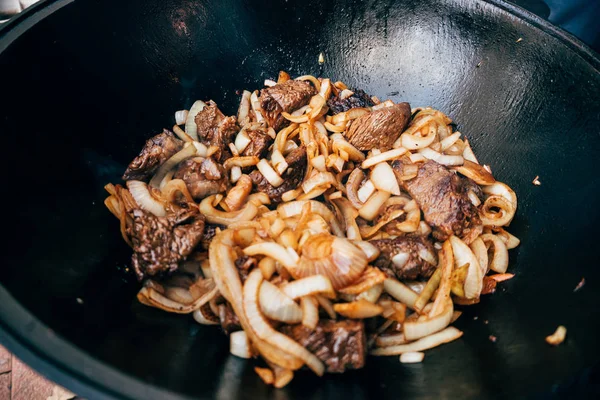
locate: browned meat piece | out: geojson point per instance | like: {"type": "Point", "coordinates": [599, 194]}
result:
{"type": "Point", "coordinates": [259, 143]}
{"type": "Point", "coordinates": [229, 321]}
{"type": "Point", "coordinates": [442, 196]}
{"type": "Point", "coordinates": [244, 264]}
{"type": "Point", "coordinates": [210, 231]}
{"type": "Point", "coordinates": [292, 176]}
{"type": "Point", "coordinates": [156, 151]}
{"type": "Point", "coordinates": [215, 129]}
{"type": "Point", "coordinates": [340, 345]}
{"type": "Point", "coordinates": [284, 97]}
{"type": "Point", "coordinates": [358, 100]}
{"type": "Point", "coordinates": [410, 266]}
{"type": "Point", "coordinates": [202, 178]}
{"type": "Point", "coordinates": [161, 243]}
{"type": "Point", "coordinates": [379, 129]}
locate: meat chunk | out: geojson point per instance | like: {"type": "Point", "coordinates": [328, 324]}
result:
{"type": "Point", "coordinates": [379, 129]}
{"type": "Point", "coordinates": [357, 100]}
{"type": "Point", "coordinates": [215, 129]}
{"type": "Point", "coordinates": [203, 177]}
{"type": "Point", "coordinates": [259, 143]}
{"type": "Point", "coordinates": [156, 151]}
{"type": "Point", "coordinates": [284, 97]}
{"type": "Point", "coordinates": [161, 243]}
{"type": "Point", "coordinates": [340, 345]}
{"type": "Point", "coordinates": [210, 230]}
{"type": "Point", "coordinates": [442, 196]}
{"type": "Point", "coordinates": [229, 321]}
{"type": "Point", "coordinates": [292, 176]}
{"type": "Point", "coordinates": [411, 263]}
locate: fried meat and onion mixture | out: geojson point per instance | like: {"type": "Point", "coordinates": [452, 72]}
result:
{"type": "Point", "coordinates": [316, 226]}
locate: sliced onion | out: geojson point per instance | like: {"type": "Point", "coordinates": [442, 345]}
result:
{"type": "Point", "coordinates": [480, 251]}
{"type": "Point", "coordinates": [215, 216]}
{"type": "Point", "coordinates": [383, 178]}
{"type": "Point", "coordinates": [468, 153]}
{"type": "Point", "coordinates": [449, 141]}
{"type": "Point", "coordinates": [490, 217]}
{"type": "Point", "coordinates": [390, 340]}
{"type": "Point", "coordinates": [501, 189]}
{"type": "Point", "coordinates": [447, 335]}
{"type": "Point", "coordinates": [202, 319]}
{"type": "Point", "coordinates": [509, 239]}
{"type": "Point", "coordinates": [294, 208]}
{"type": "Point", "coordinates": [418, 329]}
{"type": "Point", "coordinates": [358, 309]}
{"type": "Point", "coordinates": [327, 306]}
{"type": "Point", "coordinates": [316, 284]}
{"type": "Point", "coordinates": [365, 192]}
{"type": "Point", "coordinates": [344, 94]}
{"type": "Point", "coordinates": [400, 292]}
{"type": "Point", "coordinates": [152, 297]}
{"type": "Point", "coordinates": [463, 255]}
{"type": "Point", "coordinates": [400, 259]}
{"type": "Point", "coordinates": [244, 110]}
{"type": "Point", "coordinates": [277, 306]}
{"type": "Point", "coordinates": [181, 117]}
{"type": "Point", "coordinates": [201, 149]}
{"type": "Point", "coordinates": [190, 124]}
{"type": "Point", "coordinates": [499, 261]}
{"type": "Point", "coordinates": [265, 374]}
{"type": "Point", "coordinates": [427, 292]}
{"type": "Point", "coordinates": [349, 214]}
{"type": "Point", "coordinates": [273, 250]}
{"type": "Point", "coordinates": [265, 332]}
{"type": "Point", "coordinates": [385, 156]}
{"type": "Point", "coordinates": [239, 345]}
{"type": "Point", "coordinates": [417, 158]}
{"type": "Point", "coordinates": [236, 174]}
{"type": "Point", "coordinates": [319, 179]}
{"type": "Point", "coordinates": [243, 161]}
{"type": "Point", "coordinates": [371, 208]}
{"type": "Point", "coordinates": [255, 104]}
{"type": "Point", "coordinates": [319, 163]}
{"type": "Point", "coordinates": [441, 158]}
{"type": "Point", "coordinates": [140, 193]}
{"type": "Point", "coordinates": [339, 143]}
{"type": "Point", "coordinates": [228, 282]}
{"type": "Point", "coordinates": [370, 250]}
{"type": "Point", "coordinates": [310, 312]}
{"type": "Point", "coordinates": [311, 79]}
{"type": "Point", "coordinates": [242, 141]}
{"type": "Point", "coordinates": [372, 294]}
{"type": "Point", "coordinates": [269, 173]}
{"type": "Point", "coordinates": [188, 151]}
{"type": "Point", "coordinates": [414, 357]}
{"type": "Point", "coordinates": [369, 278]}
{"type": "Point", "coordinates": [368, 232]}
{"type": "Point", "coordinates": [476, 172]}
{"type": "Point", "coordinates": [181, 134]}
{"type": "Point", "coordinates": [414, 142]}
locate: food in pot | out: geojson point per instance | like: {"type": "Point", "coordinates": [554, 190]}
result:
{"type": "Point", "coordinates": [315, 227]}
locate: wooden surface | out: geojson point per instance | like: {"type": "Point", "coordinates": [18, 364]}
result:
{"type": "Point", "coordinates": [19, 382]}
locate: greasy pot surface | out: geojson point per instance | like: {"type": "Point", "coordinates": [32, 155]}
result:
{"type": "Point", "coordinates": [83, 88]}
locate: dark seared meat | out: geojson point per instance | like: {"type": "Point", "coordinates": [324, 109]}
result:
{"type": "Point", "coordinates": [229, 321]}
{"type": "Point", "coordinates": [340, 345]}
{"type": "Point", "coordinates": [442, 196]}
{"type": "Point", "coordinates": [215, 129]}
{"type": "Point", "coordinates": [358, 100]}
{"type": "Point", "coordinates": [410, 268]}
{"type": "Point", "coordinates": [156, 151]}
{"type": "Point", "coordinates": [209, 233]}
{"type": "Point", "coordinates": [259, 143]}
{"type": "Point", "coordinates": [379, 129]}
{"type": "Point", "coordinates": [161, 243]}
{"type": "Point", "coordinates": [202, 178]}
{"type": "Point", "coordinates": [244, 264]}
{"type": "Point", "coordinates": [292, 176]}
{"type": "Point", "coordinates": [284, 97]}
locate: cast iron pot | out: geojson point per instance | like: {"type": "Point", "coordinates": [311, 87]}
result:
{"type": "Point", "coordinates": [85, 83]}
